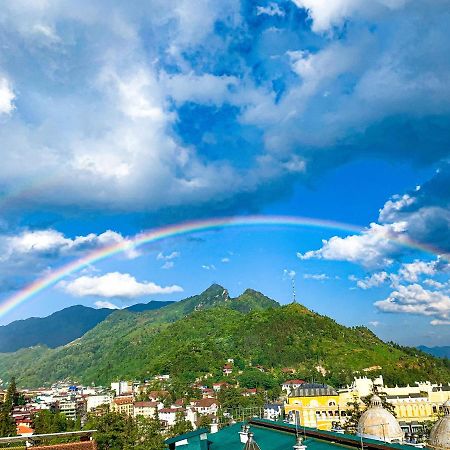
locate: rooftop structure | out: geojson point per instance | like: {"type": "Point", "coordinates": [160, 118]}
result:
{"type": "Point", "coordinates": [440, 434]}
{"type": "Point", "coordinates": [270, 435]}
{"type": "Point", "coordinates": [378, 423]}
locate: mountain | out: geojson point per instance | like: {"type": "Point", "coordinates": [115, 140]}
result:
{"type": "Point", "coordinates": [440, 352]}
{"type": "Point", "coordinates": [59, 328]}
{"type": "Point", "coordinates": [196, 335]}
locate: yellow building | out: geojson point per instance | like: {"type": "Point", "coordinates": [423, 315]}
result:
{"type": "Point", "coordinates": [123, 405]}
{"type": "Point", "coordinates": [315, 405]}
{"type": "Point", "coordinates": [319, 405]}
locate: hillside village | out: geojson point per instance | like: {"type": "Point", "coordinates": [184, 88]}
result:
{"type": "Point", "coordinates": [217, 404]}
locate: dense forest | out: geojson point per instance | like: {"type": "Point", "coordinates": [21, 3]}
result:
{"type": "Point", "coordinates": [195, 336]}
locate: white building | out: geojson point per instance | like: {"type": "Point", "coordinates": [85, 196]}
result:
{"type": "Point", "coordinates": [94, 401]}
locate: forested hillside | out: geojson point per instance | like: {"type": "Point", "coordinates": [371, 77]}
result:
{"type": "Point", "coordinates": [196, 336]}
{"type": "Point", "coordinates": [61, 327]}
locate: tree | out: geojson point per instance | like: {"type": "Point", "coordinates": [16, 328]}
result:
{"type": "Point", "coordinates": [7, 423]}
{"type": "Point", "coordinates": [355, 411]}
{"type": "Point", "coordinates": [181, 425]}
{"type": "Point", "coordinates": [114, 431]}
{"type": "Point", "coordinates": [149, 435]}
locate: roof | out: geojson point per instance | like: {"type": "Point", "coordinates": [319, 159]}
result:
{"type": "Point", "coordinates": [206, 402]}
{"type": "Point", "coordinates": [269, 438]}
{"type": "Point", "coordinates": [294, 382]}
{"type": "Point", "coordinates": [145, 404]}
{"type": "Point", "coordinates": [313, 390]}
{"type": "Point", "coordinates": [197, 432]}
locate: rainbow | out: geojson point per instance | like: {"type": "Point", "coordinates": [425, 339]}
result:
{"type": "Point", "coordinates": [175, 230]}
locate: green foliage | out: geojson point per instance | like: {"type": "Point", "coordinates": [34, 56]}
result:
{"type": "Point", "coordinates": [181, 426]}
{"type": "Point", "coordinates": [53, 422]}
{"type": "Point", "coordinates": [195, 336]}
{"type": "Point", "coordinates": [120, 432]}
{"type": "Point", "coordinates": [7, 423]}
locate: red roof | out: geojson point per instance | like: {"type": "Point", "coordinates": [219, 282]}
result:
{"type": "Point", "coordinates": [294, 382]}
{"type": "Point", "coordinates": [145, 404]}
{"type": "Point", "coordinates": [171, 410]}
{"type": "Point", "coordinates": [205, 402]}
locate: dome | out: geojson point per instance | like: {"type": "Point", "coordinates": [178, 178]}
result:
{"type": "Point", "coordinates": [440, 434]}
{"type": "Point", "coordinates": [378, 423]}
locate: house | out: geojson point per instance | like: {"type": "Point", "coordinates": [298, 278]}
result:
{"type": "Point", "coordinates": [157, 396]}
{"type": "Point", "coordinates": [146, 409]}
{"type": "Point", "coordinates": [169, 415]}
{"type": "Point", "coordinates": [227, 369]}
{"type": "Point", "coordinates": [221, 385]}
{"type": "Point", "coordinates": [208, 393]}
{"type": "Point", "coordinates": [249, 392]}
{"type": "Point", "coordinates": [273, 411]}
{"type": "Point", "coordinates": [290, 385]}
{"type": "Point", "coordinates": [123, 405]}
{"type": "Point", "coordinates": [290, 370]}
{"type": "Point", "coordinates": [205, 406]}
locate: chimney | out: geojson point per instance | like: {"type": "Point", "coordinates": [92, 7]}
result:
{"type": "Point", "coordinates": [243, 434]}
{"type": "Point", "coordinates": [214, 427]}
{"type": "Point", "coordinates": [299, 445]}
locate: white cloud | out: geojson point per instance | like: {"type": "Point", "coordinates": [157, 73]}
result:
{"type": "Point", "coordinates": [209, 267]}
{"type": "Point", "coordinates": [52, 242]}
{"type": "Point", "coordinates": [374, 247]}
{"type": "Point", "coordinates": [440, 322]}
{"type": "Point", "coordinates": [414, 299]}
{"type": "Point", "coordinates": [328, 13]}
{"type": "Point", "coordinates": [168, 257]}
{"type": "Point", "coordinates": [7, 96]}
{"type": "Point", "coordinates": [225, 260]}
{"type": "Point", "coordinates": [272, 9]}
{"type": "Point", "coordinates": [374, 280]}
{"type": "Point", "coordinates": [316, 276]}
{"type": "Point", "coordinates": [168, 265]}
{"type": "Point", "coordinates": [412, 271]}
{"type": "Point", "coordinates": [106, 304]}
{"type": "Point", "coordinates": [289, 273]}
{"type": "Point", "coordinates": [114, 284]}
{"type": "Point", "coordinates": [374, 323]}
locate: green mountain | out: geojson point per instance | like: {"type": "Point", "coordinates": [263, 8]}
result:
{"type": "Point", "coordinates": [196, 335]}
{"type": "Point", "coordinates": [59, 328]}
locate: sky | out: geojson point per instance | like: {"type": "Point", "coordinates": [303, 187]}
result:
{"type": "Point", "coordinates": [117, 118]}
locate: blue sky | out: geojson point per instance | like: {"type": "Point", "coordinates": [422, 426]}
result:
{"type": "Point", "coordinates": [116, 118]}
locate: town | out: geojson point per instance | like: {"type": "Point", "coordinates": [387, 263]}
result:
{"type": "Point", "coordinates": [411, 410]}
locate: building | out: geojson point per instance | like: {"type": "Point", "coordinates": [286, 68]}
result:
{"type": "Point", "coordinates": [413, 405]}
{"type": "Point", "coordinates": [268, 435]}
{"type": "Point", "coordinates": [273, 411]}
{"type": "Point", "coordinates": [122, 387]}
{"type": "Point", "coordinates": [440, 434]}
{"type": "Point", "coordinates": [289, 385]}
{"type": "Point", "coordinates": [378, 423]}
{"type": "Point", "coordinates": [313, 405]}
{"type": "Point", "coordinates": [207, 406]}
{"type": "Point", "coordinates": [146, 409]}
{"type": "Point", "coordinates": [168, 416]}
{"type": "Point", "coordinates": [94, 401]}
{"type": "Point", "coordinates": [227, 369]}
{"type": "Point", "coordinates": [123, 405]}
{"type": "Point", "coordinates": [68, 408]}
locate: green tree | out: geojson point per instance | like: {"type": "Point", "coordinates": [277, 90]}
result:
{"type": "Point", "coordinates": [7, 423]}
{"type": "Point", "coordinates": [149, 435]}
{"type": "Point", "coordinates": [181, 425]}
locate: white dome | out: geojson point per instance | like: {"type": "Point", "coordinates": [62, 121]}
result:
{"type": "Point", "coordinates": [440, 434]}
{"type": "Point", "coordinates": [378, 423]}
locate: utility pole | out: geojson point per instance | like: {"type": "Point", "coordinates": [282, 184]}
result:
{"type": "Point", "coordinates": [293, 290]}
